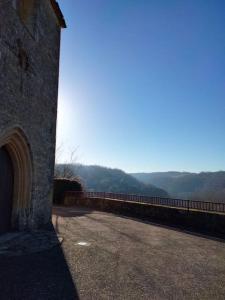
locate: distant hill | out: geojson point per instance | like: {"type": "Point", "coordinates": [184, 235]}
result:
{"type": "Point", "coordinates": [207, 186]}
{"type": "Point", "coordinates": [101, 179]}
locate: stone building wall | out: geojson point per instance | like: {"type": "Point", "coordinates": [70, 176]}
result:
{"type": "Point", "coordinates": [29, 63]}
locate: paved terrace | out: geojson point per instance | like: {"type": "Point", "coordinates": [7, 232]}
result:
{"type": "Point", "coordinates": [113, 257]}
{"type": "Point", "coordinates": [105, 256]}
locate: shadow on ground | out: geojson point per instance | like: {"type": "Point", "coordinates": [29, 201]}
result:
{"type": "Point", "coordinates": [177, 228]}
{"type": "Point", "coordinates": [60, 212]}
{"type": "Point", "coordinates": [77, 211]}
{"type": "Point", "coordinates": [70, 211]}
{"type": "Point", "coordinates": [113, 256]}
{"type": "Point", "coordinates": [42, 275]}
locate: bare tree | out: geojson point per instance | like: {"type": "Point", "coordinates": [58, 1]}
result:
{"type": "Point", "coordinates": [66, 169]}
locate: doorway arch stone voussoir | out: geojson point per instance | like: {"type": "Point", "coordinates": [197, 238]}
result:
{"type": "Point", "coordinates": [15, 141]}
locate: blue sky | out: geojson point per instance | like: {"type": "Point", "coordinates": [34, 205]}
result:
{"type": "Point", "coordinates": [142, 84]}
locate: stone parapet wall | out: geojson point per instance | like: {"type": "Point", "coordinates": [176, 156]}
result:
{"type": "Point", "coordinates": [207, 222]}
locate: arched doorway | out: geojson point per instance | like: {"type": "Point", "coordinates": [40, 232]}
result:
{"type": "Point", "coordinates": [6, 190]}
{"type": "Point", "coordinates": [16, 155]}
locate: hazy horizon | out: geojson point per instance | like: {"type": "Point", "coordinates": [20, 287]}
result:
{"type": "Point", "coordinates": [142, 84]}
{"type": "Point", "coordinates": [144, 172]}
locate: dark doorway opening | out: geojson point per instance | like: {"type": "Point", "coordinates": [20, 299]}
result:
{"type": "Point", "coordinates": [6, 190]}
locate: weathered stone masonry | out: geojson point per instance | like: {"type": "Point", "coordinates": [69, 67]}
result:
{"type": "Point", "coordinates": [29, 64]}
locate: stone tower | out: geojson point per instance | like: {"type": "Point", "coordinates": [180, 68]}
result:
{"type": "Point", "coordinates": [29, 66]}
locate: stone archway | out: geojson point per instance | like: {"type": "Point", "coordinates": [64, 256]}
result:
{"type": "Point", "coordinates": [15, 143]}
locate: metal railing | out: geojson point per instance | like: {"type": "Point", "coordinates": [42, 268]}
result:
{"type": "Point", "coordinates": [178, 203]}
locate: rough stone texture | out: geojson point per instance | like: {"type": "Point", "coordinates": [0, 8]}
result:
{"type": "Point", "coordinates": [29, 59]}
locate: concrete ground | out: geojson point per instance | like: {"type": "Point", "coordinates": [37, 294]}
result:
{"type": "Point", "coordinates": [114, 257]}
{"type": "Point", "coordinates": [105, 256]}
{"type": "Point", "coordinates": [36, 276]}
